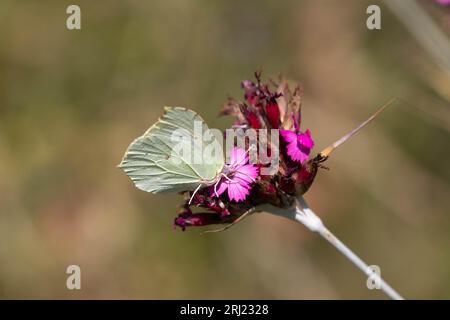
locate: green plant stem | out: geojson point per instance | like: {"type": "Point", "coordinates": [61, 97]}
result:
{"type": "Point", "coordinates": [303, 214]}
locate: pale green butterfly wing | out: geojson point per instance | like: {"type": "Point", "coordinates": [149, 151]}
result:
{"type": "Point", "coordinates": [156, 161]}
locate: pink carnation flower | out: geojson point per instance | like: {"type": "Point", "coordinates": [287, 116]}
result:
{"type": "Point", "coordinates": [238, 176]}
{"type": "Point", "coordinates": [298, 145]}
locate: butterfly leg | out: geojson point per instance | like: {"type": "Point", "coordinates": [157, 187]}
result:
{"type": "Point", "coordinates": [226, 177]}
{"type": "Point", "coordinates": [218, 181]}
{"type": "Point", "coordinates": [215, 188]}
{"type": "Point", "coordinates": [193, 194]}
{"type": "Point", "coordinates": [242, 217]}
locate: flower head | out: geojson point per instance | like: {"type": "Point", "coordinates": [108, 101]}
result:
{"type": "Point", "coordinates": [241, 186]}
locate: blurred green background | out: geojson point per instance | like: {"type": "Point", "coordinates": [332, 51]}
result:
{"type": "Point", "coordinates": [72, 101]}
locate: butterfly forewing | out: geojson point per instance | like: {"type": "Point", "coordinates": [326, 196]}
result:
{"type": "Point", "coordinates": [162, 160]}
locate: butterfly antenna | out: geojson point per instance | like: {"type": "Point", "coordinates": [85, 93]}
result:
{"type": "Point", "coordinates": [328, 150]}
{"type": "Point", "coordinates": [193, 194]}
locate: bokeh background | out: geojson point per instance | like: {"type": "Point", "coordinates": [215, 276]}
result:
{"type": "Point", "coordinates": [72, 101]}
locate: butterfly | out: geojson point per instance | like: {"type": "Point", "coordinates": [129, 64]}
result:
{"type": "Point", "coordinates": [156, 161]}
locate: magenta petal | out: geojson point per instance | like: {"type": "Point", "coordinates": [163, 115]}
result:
{"type": "Point", "coordinates": [242, 194]}
{"type": "Point", "coordinates": [294, 152]}
{"type": "Point", "coordinates": [238, 157]}
{"type": "Point", "coordinates": [221, 187]}
{"type": "Point", "coordinates": [289, 136]}
{"type": "Point", "coordinates": [237, 192]}
{"type": "Point", "coordinates": [305, 144]}
{"type": "Point", "coordinates": [305, 140]}
{"type": "Point", "coordinates": [231, 191]}
{"type": "Point", "coordinates": [247, 173]}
